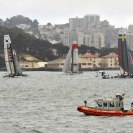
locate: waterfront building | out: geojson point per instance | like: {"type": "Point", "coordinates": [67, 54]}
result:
{"type": "Point", "coordinates": [88, 61]}
{"type": "Point", "coordinates": [27, 61]}
{"type": "Point", "coordinates": [111, 61]}
{"type": "Point", "coordinates": [56, 64]}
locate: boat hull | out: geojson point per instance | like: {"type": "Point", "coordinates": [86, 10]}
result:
{"type": "Point", "coordinates": [99, 112]}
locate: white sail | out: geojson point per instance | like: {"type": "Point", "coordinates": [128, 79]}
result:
{"type": "Point", "coordinates": [8, 55]}
{"type": "Point", "coordinates": [18, 69]}
{"type": "Point", "coordinates": [71, 63]}
{"type": "Point", "coordinates": [67, 64]}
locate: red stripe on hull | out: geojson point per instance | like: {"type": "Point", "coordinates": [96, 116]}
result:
{"type": "Point", "coordinates": [99, 112]}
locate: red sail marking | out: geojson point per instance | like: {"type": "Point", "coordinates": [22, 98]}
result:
{"type": "Point", "coordinates": [75, 46]}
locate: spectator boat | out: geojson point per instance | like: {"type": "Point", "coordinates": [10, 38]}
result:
{"type": "Point", "coordinates": [107, 107]}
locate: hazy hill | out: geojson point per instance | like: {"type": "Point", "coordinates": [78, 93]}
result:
{"type": "Point", "coordinates": [16, 20]}
{"type": "Point", "coordinates": [25, 43]}
{"type": "Point", "coordinates": [22, 22]}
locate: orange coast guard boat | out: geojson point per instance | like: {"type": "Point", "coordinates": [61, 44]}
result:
{"type": "Point", "coordinates": [107, 107]}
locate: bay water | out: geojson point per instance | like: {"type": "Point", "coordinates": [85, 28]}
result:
{"type": "Point", "coordinates": [46, 102]}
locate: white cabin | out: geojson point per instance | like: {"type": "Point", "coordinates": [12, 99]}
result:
{"type": "Point", "coordinates": [110, 104]}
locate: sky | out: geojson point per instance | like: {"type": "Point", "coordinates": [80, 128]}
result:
{"type": "Point", "coordinates": [118, 12]}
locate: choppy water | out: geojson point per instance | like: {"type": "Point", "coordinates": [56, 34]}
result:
{"type": "Point", "coordinates": [46, 102]}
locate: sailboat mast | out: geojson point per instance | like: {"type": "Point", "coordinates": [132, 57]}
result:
{"type": "Point", "coordinates": [72, 61]}
{"type": "Point", "coordinates": [13, 58]}
{"type": "Point", "coordinates": [9, 57]}
{"type": "Point", "coordinates": [122, 48]}
{"type": "Point", "coordinates": [18, 69]}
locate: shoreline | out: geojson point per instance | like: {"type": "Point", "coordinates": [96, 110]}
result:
{"type": "Point", "coordinates": [49, 69]}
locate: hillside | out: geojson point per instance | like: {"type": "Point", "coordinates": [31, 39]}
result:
{"type": "Point", "coordinates": [28, 44]}
{"type": "Point", "coordinates": [25, 23]}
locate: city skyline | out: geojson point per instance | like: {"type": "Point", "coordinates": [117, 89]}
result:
{"type": "Point", "coordinates": [58, 12]}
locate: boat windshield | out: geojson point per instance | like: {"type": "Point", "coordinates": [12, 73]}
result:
{"type": "Point", "coordinates": [105, 104]}
{"type": "Point", "coordinates": [109, 104]}
{"type": "Point", "coordinates": [99, 104]}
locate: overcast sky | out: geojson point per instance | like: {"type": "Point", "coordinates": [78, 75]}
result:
{"type": "Point", "coordinates": [117, 12]}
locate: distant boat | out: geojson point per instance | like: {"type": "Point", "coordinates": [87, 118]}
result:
{"type": "Point", "coordinates": [125, 57]}
{"type": "Point", "coordinates": [102, 74]}
{"type": "Point", "coordinates": [71, 64]}
{"type": "Point", "coordinates": [11, 61]}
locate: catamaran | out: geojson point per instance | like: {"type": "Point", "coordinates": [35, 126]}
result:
{"type": "Point", "coordinates": [11, 61]}
{"type": "Point", "coordinates": [71, 64]}
{"type": "Point", "coordinates": [125, 57]}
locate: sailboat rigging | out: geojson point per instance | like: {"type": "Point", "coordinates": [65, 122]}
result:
{"type": "Point", "coordinates": [12, 64]}
{"type": "Point", "coordinates": [125, 57]}
{"type": "Point", "coordinates": [71, 64]}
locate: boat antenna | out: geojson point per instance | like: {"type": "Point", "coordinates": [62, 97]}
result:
{"type": "Point", "coordinates": [123, 94]}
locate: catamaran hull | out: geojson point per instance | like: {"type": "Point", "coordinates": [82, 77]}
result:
{"type": "Point", "coordinates": [12, 76]}
{"type": "Point", "coordinates": [98, 112]}
{"type": "Point", "coordinates": [123, 76]}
